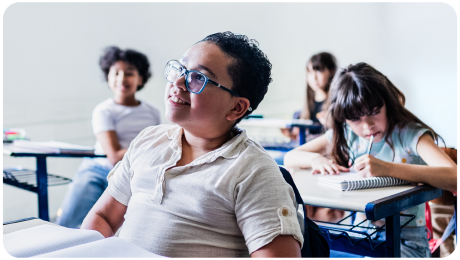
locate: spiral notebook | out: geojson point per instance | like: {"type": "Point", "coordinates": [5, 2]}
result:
{"type": "Point", "coordinates": [348, 181]}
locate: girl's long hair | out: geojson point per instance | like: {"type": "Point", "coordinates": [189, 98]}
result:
{"type": "Point", "coordinates": [320, 61]}
{"type": "Point", "coordinates": [357, 91]}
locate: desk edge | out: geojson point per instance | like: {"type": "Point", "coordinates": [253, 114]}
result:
{"type": "Point", "coordinates": [398, 202]}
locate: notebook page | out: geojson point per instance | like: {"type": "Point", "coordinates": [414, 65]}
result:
{"type": "Point", "coordinates": [109, 247]}
{"type": "Point", "coordinates": [343, 176]}
{"type": "Point", "coordinates": [46, 238]}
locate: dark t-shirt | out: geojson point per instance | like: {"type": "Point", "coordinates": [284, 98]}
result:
{"type": "Point", "coordinates": [316, 110]}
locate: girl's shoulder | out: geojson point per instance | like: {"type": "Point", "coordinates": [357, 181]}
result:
{"type": "Point", "coordinates": [408, 136]}
{"type": "Point", "coordinates": [411, 130]}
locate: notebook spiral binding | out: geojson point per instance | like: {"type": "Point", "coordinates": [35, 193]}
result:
{"type": "Point", "coordinates": [375, 182]}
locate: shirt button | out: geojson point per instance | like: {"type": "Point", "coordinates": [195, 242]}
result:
{"type": "Point", "coordinates": [285, 212]}
{"type": "Point", "coordinates": [162, 178]}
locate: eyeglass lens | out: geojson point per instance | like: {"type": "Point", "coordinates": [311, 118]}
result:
{"type": "Point", "coordinates": [195, 80]}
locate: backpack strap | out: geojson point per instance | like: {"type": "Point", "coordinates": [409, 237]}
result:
{"type": "Point", "coordinates": [288, 178]}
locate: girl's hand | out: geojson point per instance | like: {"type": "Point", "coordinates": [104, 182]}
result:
{"type": "Point", "coordinates": [321, 116]}
{"type": "Point", "coordinates": [291, 133]}
{"type": "Point", "coordinates": [321, 164]}
{"type": "Point", "coordinates": [369, 166]}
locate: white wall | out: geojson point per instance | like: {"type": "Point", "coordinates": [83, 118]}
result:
{"type": "Point", "coordinates": [51, 80]}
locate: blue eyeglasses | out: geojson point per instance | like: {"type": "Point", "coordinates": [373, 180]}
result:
{"type": "Point", "coordinates": [195, 81]}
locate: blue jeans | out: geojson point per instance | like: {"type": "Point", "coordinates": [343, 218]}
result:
{"type": "Point", "coordinates": [87, 186]}
{"type": "Point", "coordinates": [414, 242]}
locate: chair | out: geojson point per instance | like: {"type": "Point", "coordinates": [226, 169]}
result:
{"type": "Point", "coordinates": [447, 199]}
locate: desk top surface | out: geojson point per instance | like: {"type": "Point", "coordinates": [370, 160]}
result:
{"type": "Point", "coordinates": [11, 150]}
{"type": "Point", "coordinates": [318, 194]}
{"type": "Point", "coordinates": [11, 227]}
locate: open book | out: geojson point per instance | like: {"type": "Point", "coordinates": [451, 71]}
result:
{"type": "Point", "coordinates": [347, 181]}
{"type": "Point", "coordinates": [54, 147]}
{"type": "Point", "coordinates": [56, 241]}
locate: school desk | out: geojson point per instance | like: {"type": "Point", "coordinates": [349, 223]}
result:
{"type": "Point", "coordinates": [16, 225]}
{"type": "Point", "coordinates": [377, 203]}
{"type": "Point", "coordinates": [42, 177]}
{"type": "Point", "coordinates": [302, 124]}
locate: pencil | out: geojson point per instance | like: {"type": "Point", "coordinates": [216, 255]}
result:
{"type": "Point", "coordinates": [370, 145]}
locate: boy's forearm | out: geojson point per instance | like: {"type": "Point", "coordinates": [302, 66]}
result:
{"type": "Point", "coordinates": [441, 177]}
{"type": "Point", "coordinates": [116, 156]}
{"type": "Point", "coordinates": [299, 159]}
{"type": "Point", "coordinates": [96, 222]}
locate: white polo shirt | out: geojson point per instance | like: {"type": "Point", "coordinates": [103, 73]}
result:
{"type": "Point", "coordinates": [226, 203]}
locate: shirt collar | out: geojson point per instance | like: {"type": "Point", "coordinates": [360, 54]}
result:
{"type": "Point", "coordinates": [230, 149]}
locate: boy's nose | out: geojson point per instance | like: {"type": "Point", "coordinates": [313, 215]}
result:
{"type": "Point", "coordinates": [180, 83]}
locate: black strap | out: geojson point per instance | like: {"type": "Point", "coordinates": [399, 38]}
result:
{"type": "Point", "coordinates": [307, 222]}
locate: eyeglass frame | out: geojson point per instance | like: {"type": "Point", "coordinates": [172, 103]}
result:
{"type": "Point", "coordinates": [204, 85]}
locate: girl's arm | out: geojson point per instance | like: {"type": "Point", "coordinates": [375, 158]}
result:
{"type": "Point", "coordinates": [111, 146]}
{"type": "Point", "coordinates": [310, 155]}
{"type": "Point", "coordinates": [441, 171]}
{"type": "Point", "coordinates": [106, 216]}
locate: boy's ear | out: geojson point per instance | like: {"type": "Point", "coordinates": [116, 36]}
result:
{"type": "Point", "coordinates": [240, 107]}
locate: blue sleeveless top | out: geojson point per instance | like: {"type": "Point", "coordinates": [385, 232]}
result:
{"type": "Point", "coordinates": [405, 142]}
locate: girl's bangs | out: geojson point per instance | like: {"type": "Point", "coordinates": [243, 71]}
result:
{"type": "Point", "coordinates": [316, 63]}
{"type": "Point", "coordinates": [358, 102]}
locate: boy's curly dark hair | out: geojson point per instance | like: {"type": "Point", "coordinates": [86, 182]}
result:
{"type": "Point", "coordinates": [113, 54]}
{"type": "Point", "coordinates": [251, 70]}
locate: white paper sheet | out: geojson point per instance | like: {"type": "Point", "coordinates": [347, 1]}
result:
{"type": "Point", "coordinates": [46, 238]}
{"type": "Point", "coordinates": [109, 247]}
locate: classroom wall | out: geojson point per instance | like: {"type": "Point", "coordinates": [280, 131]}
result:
{"type": "Point", "coordinates": [52, 82]}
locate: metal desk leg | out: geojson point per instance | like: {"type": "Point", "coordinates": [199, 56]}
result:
{"type": "Point", "coordinates": [42, 188]}
{"type": "Point", "coordinates": [456, 219]}
{"type": "Point", "coordinates": [393, 236]}
{"type": "Point", "coordinates": [302, 135]}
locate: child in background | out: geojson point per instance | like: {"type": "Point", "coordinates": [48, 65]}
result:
{"type": "Point", "coordinates": [200, 187]}
{"type": "Point", "coordinates": [116, 122]}
{"type": "Point", "coordinates": [321, 68]}
{"type": "Point", "coordinates": [364, 103]}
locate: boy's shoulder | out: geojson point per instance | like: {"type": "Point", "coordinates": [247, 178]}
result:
{"type": "Point", "coordinates": [105, 104]}
{"type": "Point", "coordinates": [254, 154]}
{"type": "Point", "coordinates": [149, 106]}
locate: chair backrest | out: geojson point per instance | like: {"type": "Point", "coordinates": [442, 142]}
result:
{"type": "Point", "coordinates": [314, 245]}
{"type": "Point", "coordinates": [447, 198]}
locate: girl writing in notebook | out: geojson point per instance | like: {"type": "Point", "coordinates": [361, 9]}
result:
{"type": "Point", "coordinates": [116, 122]}
{"type": "Point", "coordinates": [364, 103]}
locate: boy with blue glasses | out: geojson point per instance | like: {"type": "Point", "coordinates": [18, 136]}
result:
{"type": "Point", "coordinates": [201, 188]}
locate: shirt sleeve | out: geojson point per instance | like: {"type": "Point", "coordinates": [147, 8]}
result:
{"type": "Point", "coordinates": [265, 205]}
{"type": "Point", "coordinates": [119, 178]}
{"type": "Point", "coordinates": [102, 120]}
{"type": "Point", "coordinates": [412, 136]}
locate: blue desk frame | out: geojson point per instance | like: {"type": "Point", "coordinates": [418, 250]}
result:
{"type": "Point", "coordinates": [42, 176]}
{"type": "Point", "coordinates": [388, 208]}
